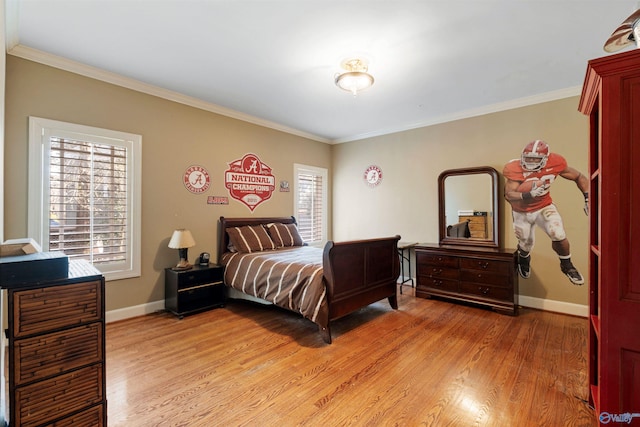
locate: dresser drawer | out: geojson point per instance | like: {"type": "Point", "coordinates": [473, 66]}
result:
{"type": "Point", "coordinates": [438, 271]}
{"type": "Point", "coordinates": [436, 259]}
{"type": "Point", "coordinates": [499, 267]}
{"type": "Point", "coordinates": [494, 292]}
{"type": "Point", "coordinates": [94, 416]}
{"type": "Point", "coordinates": [54, 353]}
{"type": "Point", "coordinates": [433, 283]}
{"type": "Point", "coordinates": [57, 397]}
{"type": "Point", "coordinates": [56, 307]}
{"type": "Point", "coordinates": [485, 278]}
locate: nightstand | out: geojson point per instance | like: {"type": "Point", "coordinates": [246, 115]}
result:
{"type": "Point", "coordinates": [197, 289]}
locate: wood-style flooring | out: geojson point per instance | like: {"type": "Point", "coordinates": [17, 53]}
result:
{"type": "Point", "coordinates": [430, 363]}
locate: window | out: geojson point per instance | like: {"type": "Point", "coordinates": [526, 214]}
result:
{"type": "Point", "coordinates": [84, 194]}
{"type": "Point", "coordinates": [310, 203]}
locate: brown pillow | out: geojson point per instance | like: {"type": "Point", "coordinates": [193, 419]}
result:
{"type": "Point", "coordinates": [284, 234]}
{"type": "Point", "coordinates": [250, 238]}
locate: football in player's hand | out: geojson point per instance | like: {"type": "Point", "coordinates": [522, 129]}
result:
{"type": "Point", "coordinates": [527, 186]}
{"type": "Point", "coordinates": [536, 187]}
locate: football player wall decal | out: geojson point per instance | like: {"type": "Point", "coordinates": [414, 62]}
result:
{"type": "Point", "coordinates": [528, 182]}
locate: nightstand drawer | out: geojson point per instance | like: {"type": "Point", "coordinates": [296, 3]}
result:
{"type": "Point", "coordinates": [190, 278]}
{"type": "Point", "coordinates": [203, 296]}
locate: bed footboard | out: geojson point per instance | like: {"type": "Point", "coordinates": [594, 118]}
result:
{"type": "Point", "coordinates": [359, 273]}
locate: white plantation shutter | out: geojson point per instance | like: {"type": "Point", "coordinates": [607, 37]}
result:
{"type": "Point", "coordinates": [310, 199]}
{"type": "Point", "coordinates": [85, 198]}
{"type": "Point", "coordinates": [88, 200]}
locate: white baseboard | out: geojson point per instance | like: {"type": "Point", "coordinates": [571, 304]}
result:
{"type": "Point", "coordinates": [555, 306]}
{"type": "Point", "coordinates": [134, 311]}
{"type": "Point", "coordinates": [523, 300]}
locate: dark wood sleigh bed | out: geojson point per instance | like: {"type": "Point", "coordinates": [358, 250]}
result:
{"type": "Point", "coordinates": [352, 274]}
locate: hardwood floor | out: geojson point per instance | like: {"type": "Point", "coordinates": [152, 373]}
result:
{"type": "Point", "coordinates": [431, 363]}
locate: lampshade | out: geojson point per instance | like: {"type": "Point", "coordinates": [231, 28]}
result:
{"type": "Point", "coordinates": [181, 239]}
{"type": "Point", "coordinates": [356, 78]}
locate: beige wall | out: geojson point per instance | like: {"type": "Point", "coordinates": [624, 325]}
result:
{"type": "Point", "coordinates": [174, 136]}
{"type": "Point", "coordinates": [405, 202]}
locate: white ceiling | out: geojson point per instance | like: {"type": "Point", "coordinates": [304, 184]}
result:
{"type": "Point", "coordinates": [273, 62]}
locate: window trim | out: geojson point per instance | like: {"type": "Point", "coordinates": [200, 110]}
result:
{"type": "Point", "coordinates": [40, 130]}
{"type": "Point", "coordinates": [324, 173]}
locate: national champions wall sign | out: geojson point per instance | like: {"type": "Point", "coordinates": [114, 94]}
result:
{"type": "Point", "coordinates": [250, 181]}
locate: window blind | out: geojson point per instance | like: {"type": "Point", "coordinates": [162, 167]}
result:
{"type": "Point", "coordinates": [309, 206]}
{"type": "Point", "coordinates": [88, 200]}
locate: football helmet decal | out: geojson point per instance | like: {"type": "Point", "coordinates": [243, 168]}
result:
{"type": "Point", "coordinates": [534, 156]}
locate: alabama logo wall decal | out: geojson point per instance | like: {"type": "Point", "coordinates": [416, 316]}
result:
{"type": "Point", "coordinates": [196, 179]}
{"type": "Point", "coordinates": [373, 175]}
{"type": "Point", "coordinates": [249, 180]}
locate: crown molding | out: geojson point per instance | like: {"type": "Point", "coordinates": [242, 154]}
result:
{"type": "Point", "coordinates": [45, 58]}
{"type": "Point", "coordinates": [487, 109]}
{"type": "Point", "coordinates": [65, 64]}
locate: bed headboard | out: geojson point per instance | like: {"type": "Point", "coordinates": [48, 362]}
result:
{"type": "Point", "coordinates": [224, 223]}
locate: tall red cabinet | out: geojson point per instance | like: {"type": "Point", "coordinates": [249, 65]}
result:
{"type": "Point", "coordinates": [611, 99]}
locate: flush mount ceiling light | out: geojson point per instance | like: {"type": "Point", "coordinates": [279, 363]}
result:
{"type": "Point", "coordinates": [627, 34]}
{"type": "Point", "coordinates": [356, 78]}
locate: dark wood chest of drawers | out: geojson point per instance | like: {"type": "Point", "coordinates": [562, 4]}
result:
{"type": "Point", "coordinates": [197, 289]}
{"type": "Point", "coordinates": [57, 352]}
{"type": "Point", "coordinates": [478, 275]}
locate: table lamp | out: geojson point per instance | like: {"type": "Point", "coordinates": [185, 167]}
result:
{"type": "Point", "coordinates": [182, 240]}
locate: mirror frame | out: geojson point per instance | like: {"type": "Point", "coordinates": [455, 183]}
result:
{"type": "Point", "coordinates": [497, 214]}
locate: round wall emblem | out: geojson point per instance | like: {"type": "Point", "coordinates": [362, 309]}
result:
{"type": "Point", "coordinates": [373, 175]}
{"type": "Point", "coordinates": [196, 179]}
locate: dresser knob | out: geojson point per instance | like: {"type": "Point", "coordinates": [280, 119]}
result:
{"type": "Point", "coordinates": [483, 265]}
{"type": "Point", "coordinates": [483, 290]}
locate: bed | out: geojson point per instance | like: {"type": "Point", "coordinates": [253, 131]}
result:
{"type": "Point", "coordinates": [320, 284]}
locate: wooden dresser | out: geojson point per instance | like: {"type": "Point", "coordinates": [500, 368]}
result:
{"type": "Point", "coordinates": [57, 350]}
{"type": "Point", "coordinates": [479, 275]}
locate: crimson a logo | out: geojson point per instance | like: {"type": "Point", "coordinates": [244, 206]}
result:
{"type": "Point", "coordinates": [249, 181]}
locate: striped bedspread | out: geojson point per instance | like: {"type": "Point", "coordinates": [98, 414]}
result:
{"type": "Point", "coordinates": [290, 278]}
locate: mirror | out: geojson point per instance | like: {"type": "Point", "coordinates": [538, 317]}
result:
{"type": "Point", "coordinates": [469, 212]}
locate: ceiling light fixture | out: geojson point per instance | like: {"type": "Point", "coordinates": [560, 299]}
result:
{"type": "Point", "coordinates": [627, 34]}
{"type": "Point", "coordinates": [356, 78]}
